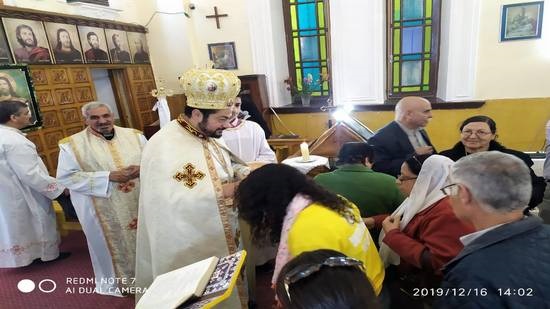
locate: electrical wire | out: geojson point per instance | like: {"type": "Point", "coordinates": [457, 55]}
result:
{"type": "Point", "coordinates": [167, 13]}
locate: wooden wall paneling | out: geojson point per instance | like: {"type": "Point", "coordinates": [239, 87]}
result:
{"type": "Point", "coordinates": [39, 77]}
{"type": "Point", "coordinates": [61, 91]}
{"type": "Point", "coordinates": [147, 72]}
{"type": "Point", "coordinates": [79, 75]}
{"type": "Point", "coordinates": [52, 138]}
{"type": "Point", "coordinates": [59, 75]}
{"type": "Point", "coordinates": [53, 156]}
{"type": "Point", "coordinates": [45, 99]}
{"type": "Point", "coordinates": [64, 96]}
{"type": "Point", "coordinates": [141, 82]}
{"type": "Point", "coordinates": [84, 94]}
{"type": "Point", "coordinates": [71, 115]}
{"type": "Point", "coordinates": [50, 119]}
{"type": "Point", "coordinates": [135, 73]}
{"type": "Point", "coordinates": [35, 138]}
{"type": "Point", "coordinates": [73, 130]}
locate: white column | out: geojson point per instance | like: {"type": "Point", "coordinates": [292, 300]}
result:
{"type": "Point", "coordinates": [269, 53]}
{"type": "Point", "coordinates": [458, 49]}
{"type": "Point", "coordinates": [358, 51]}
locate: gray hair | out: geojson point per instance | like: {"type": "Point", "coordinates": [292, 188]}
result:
{"type": "Point", "coordinates": [399, 111]}
{"type": "Point", "coordinates": [500, 182]}
{"type": "Point", "coordinates": [93, 105]}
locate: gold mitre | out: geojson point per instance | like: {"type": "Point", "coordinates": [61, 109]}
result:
{"type": "Point", "coordinates": [210, 88]}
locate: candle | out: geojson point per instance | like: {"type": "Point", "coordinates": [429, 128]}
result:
{"type": "Point", "coordinates": [305, 151]}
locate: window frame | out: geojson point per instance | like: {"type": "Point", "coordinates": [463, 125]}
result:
{"type": "Point", "coordinates": [434, 47]}
{"type": "Point", "coordinates": [315, 99]}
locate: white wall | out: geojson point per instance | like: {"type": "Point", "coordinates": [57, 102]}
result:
{"type": "Point", "coordinates": [269, 54]}
{"type": "Point", "coordinates": [358, 51]}
{"type": "Point", "coordinates": [458, 49]}
{"type": "Point", "coordinates": [128, 11]}
{"type": "Point", "coordinates": [170, 39]}
{"type": "Point", "coordinates": [178, 43]}
{"type": "Point", "coordinates": [233, 28]}
{"type": "Point", "coordinates": [511, 69]}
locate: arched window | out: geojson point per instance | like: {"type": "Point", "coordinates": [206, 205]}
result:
{"type": "Point", "coordinates": [412, 47]}
{"type": "Point", "coordinates": [307, 39]}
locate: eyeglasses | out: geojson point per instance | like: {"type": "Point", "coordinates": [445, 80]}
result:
{"type": "Point", "coordinates": [451, 189]}
{"type": "Point", "coordinates": [306, 270]}
{"type": "Point", "coordinates": [477, 133]}
{"type": "Point", "coordinates": [402, 178]}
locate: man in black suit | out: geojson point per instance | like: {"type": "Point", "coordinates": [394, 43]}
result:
{"type": "Point", "coordinates": [403, 137]}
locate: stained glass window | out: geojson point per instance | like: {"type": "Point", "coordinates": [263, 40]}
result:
{"type": "Point", "coordinates": [307, 34]}
{"type": "Point", "coordinates": [413, 43]}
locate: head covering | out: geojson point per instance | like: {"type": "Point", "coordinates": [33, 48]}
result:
{"type": "Point", "coordinates": [10, 79]}
{"type": "Point", "coordinates": [433, 176]}
{"type": "Point", "coordinates": [352, 150]}
{"type": "Point", "coordinates": [210, 88]}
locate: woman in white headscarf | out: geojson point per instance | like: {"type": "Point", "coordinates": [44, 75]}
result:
{"type": "Point", "coordinates": [423, 233]}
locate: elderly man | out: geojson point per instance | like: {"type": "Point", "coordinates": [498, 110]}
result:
{"type": "Point", "coordinates": [27, 218]}
{"type": "Point", "coordinates": [188, 179]}
{"type": "Point", "coordinates": [100, 166]}
{"type": "Point", "coordinates": [403, 137]}
{"type": "Point", "coordinates": [504, 264]}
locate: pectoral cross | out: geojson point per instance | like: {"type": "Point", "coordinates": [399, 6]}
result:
{"type": "Point", "coordinates": [217, 16]}
{"type": "Point", "coordinates": [189, 176]}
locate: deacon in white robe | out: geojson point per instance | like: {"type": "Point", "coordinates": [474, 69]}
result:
{"type": "Point", "coordinates": [27, 219]}
{"type": "Point", "coordinates": [246, 139]}
{"type": "Point", "coordinates": [100, 166]}
{"type": "Point", "coordinates": [188, 177]}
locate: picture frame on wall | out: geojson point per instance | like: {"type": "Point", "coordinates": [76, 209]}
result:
{"type": "Point", "coordinates": [94, 44]}
{"type": "Point", "coordinates": [138, 47]}
{"type": "Point", "coordinates": [16, 85]}
{"type": "Point", "coordinates": [5, 55]}
{"type": "Point", "coordinates": [117, 41]}
{"type": "Point", "coordinates": [223, 55]}
{"type": "Point", "coordinates": [64, 43]}
{"type": "Point", "coordinates": [27, 40]}
{"type": "Point", "coordinates": [521, 21]}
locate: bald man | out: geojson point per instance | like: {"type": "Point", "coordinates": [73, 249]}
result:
{"type": "Point", "coordinates": [402, 137]}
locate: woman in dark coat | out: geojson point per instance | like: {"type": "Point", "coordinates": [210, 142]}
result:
{"type": "Point", "coordinates": [478, 133]}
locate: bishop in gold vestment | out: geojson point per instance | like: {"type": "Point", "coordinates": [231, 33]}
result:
{"type": "Point", "coordinates": [188, 174]}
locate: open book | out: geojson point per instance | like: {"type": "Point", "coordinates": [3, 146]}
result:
{"type": "Point", "coordinates": [200, 285]}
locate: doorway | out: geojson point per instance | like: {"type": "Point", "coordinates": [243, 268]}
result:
{"type": "Point", "coordinates": [111, 88]}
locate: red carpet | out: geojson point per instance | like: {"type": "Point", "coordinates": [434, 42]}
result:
{"type": "Point", "coordinates": [67, 294]}
{"type": "Point", "coordinates": [73, 277]}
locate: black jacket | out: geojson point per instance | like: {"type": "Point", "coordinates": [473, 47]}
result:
{"type": "Point", "coordinates": [539, 185]}
{"type": "Point", "coordinates": [507, 267]}
{"type": "Point", "coordinates": [391, 148]}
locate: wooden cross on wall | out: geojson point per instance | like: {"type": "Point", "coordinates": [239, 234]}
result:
{"type": "Point", "coordinates": [217, 16]}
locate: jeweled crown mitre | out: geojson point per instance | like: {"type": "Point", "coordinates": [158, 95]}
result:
{"type": "Point", "coordinates": [210, 88]}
